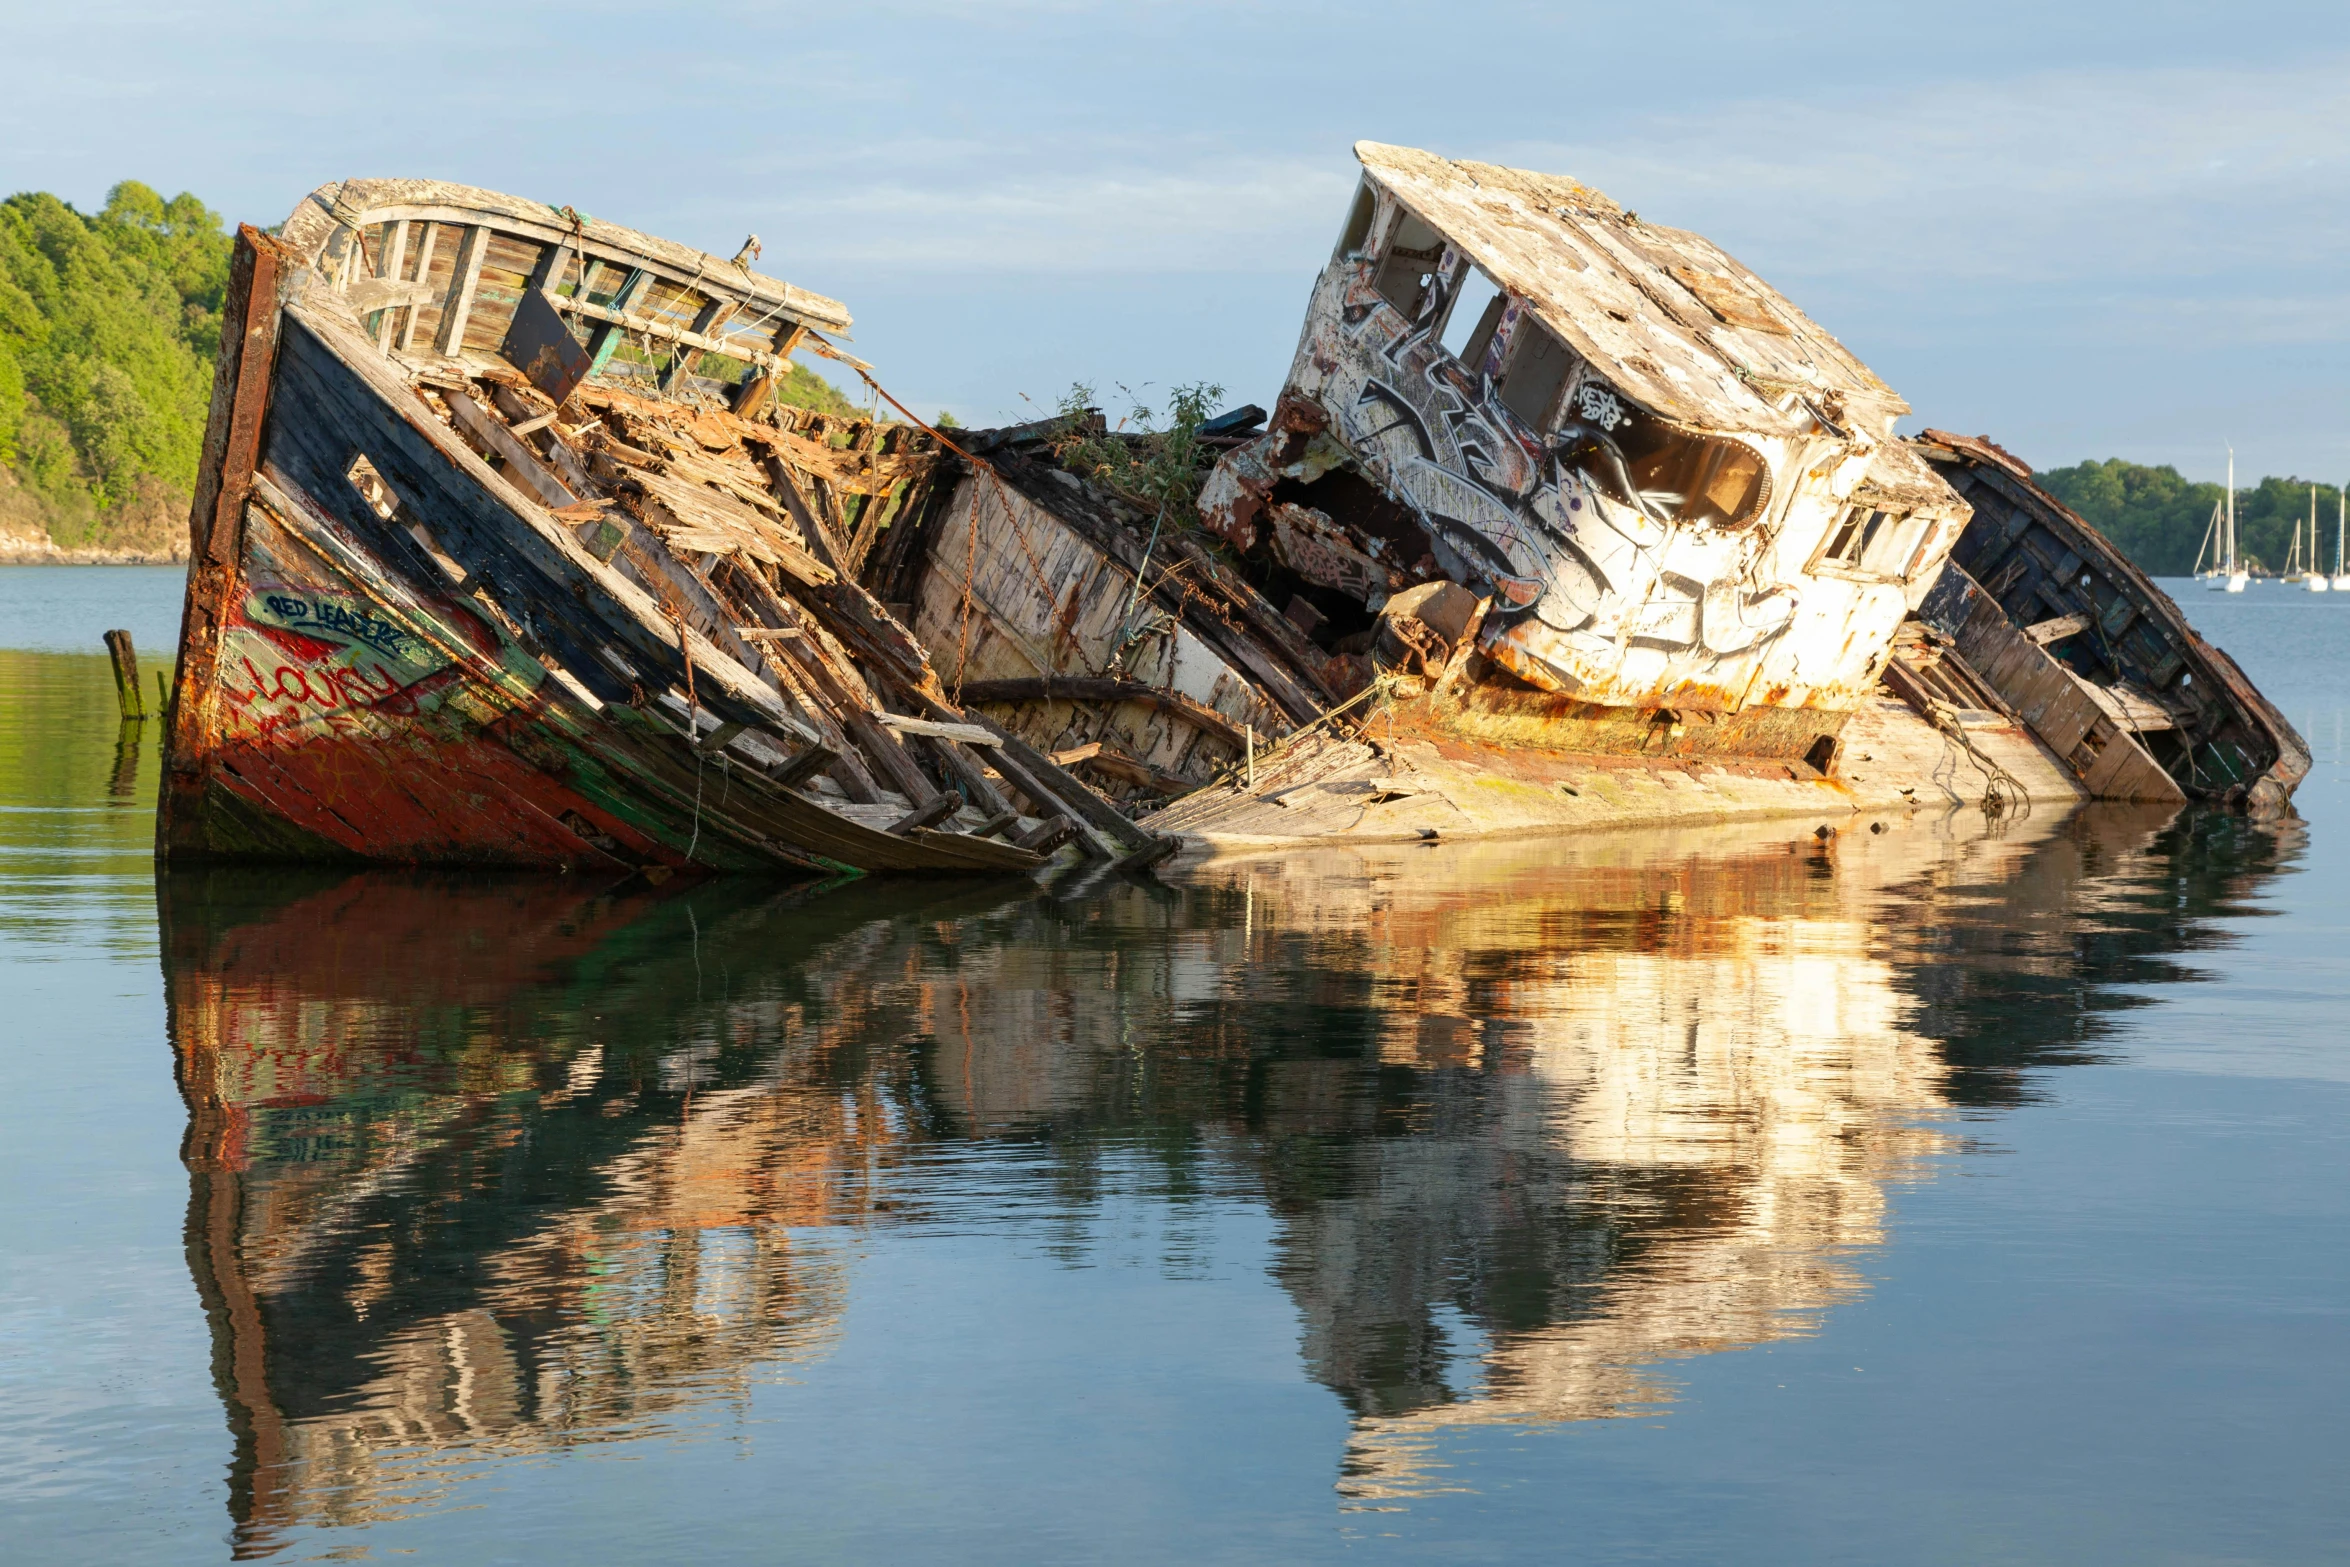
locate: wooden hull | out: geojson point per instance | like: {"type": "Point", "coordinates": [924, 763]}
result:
{"type": "Point", "coordinates": [393, 653]}
{"type": "Point", "coordinates": [1026, 598]}
{"type": "Point", "coordinates": [2083, 645]}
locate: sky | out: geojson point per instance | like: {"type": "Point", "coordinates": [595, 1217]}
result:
{"type": "Point", "coordinates": [2086, 230]}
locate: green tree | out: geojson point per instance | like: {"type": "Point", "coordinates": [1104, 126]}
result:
{"type": "Point", "coordinates": [108, 329]}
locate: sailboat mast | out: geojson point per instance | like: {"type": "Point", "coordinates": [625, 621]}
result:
{"type": "Point", "coordinates": [2231, 511]}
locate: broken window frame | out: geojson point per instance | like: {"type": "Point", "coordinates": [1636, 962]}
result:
{"type": "Point", "coordinates": [1426, 260]}
{"type": "Point", "coordinates": [1362, 221]}
{"type": "Point", "coordinates": [1872, 543]}
{"type": "Point", "coordinates": [1527, 331]}
{"type": "Point", "coordinates": [1472, 353]}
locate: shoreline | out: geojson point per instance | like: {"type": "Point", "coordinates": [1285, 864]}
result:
{"type": "Point", "coordinates": [16, 552]}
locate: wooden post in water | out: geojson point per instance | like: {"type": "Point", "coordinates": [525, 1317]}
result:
{"type": "Point", "coordinates": [126, 673]}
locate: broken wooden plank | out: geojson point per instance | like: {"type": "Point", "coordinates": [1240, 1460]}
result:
{"type": "Point", "coordinates": [2056, 630]}
{"type": "Point", "coordinates": [624, 318]}
{"type": "Point", "coordinates": [1046, 836]}
{"type": "Point", "coordinates": [969, 734]}
{"type": "Point", "coordinates": [936, 808]}
{"type": "Point", "coordinates": [1117, 764]}
{"type": "Point", "coordinates": [1059, 689]}
{"type": "Point", "coordinates": [395, 255]}
{"type": "Point", "coordinates": [1098, 813]}
{"type": "Point", "coordinates": [463, 280]}
{"type": "Point", "coordinates": [522, 463]}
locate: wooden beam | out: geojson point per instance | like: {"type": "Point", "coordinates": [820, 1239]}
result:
{"type": "Point", "coordinates": [969, 734]}
{"type": "Point", "coordinates": [606, 338]}
{"type": "Point", "coordinates": [1096, 689]}
{"type": "Point", "coordinates": [126, 674]}
{"type": "Point", "coordinates": [424, 256]}
{"type": "Point", "coordinates": [614, 319]}
{"type": "Point", "coordinates": [522, 464]}
{"type": "Point", "coordinates": [937, 808]}
{"type": "Point", "coordinates": [395, 252]}
{"type": "Point", "coordinates": [751, 397]}
{"type": "Point", "coordinates": [552, 263]}
{"type": "Point", "coordinates": [242, 377]}
{"type": "Point", "coordinates": [463, 280]}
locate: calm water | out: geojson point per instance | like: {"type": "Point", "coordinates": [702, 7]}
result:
{"type": "Point", "coordinates": [1945, 1195]}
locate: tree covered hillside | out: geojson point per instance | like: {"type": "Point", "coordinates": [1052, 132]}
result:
{"type": "Point", "coordinates": [2158, 518]}
{"type": "Point", "coordinates": [108, 328]}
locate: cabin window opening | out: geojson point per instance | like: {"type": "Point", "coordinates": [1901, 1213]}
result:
{"type": "Point", "coordinates": [1408, 271]}
{"type": "Point", "coordinates": [1878, 543]}
{"type": "Point", "coordinates": [1844, 541]}
{"type": "Point", "coordinates": [1358, 221]}
{"type": "Point", "coordinates": [1927, 533]}
{"type": "Point", "coordinates": [1533, 371]}
{"type": "Point", "coordinates": [1671, 473]}
{"type": "Point", "coordinates": [1695, 478]}
{"type": "Point", "coordinates": [1477, 304]}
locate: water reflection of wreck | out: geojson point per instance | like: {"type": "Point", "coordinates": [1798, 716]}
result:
{"type": "Point", "coordinates": [494, 1170]}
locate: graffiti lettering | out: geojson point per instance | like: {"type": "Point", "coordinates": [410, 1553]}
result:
{"type": "Point", "coordinates": [340, 617]}
{"type": "Point", "coordinates": [340, 689]}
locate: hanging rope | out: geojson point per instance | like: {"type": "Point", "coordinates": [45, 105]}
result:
{"type": "Point", "coordinates": [2002, 790]}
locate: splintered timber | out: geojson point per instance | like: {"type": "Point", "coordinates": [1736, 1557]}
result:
{"type": "Point", "coordinates": [505, 553]}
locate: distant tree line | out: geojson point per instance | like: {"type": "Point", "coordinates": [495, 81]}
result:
{"type": "Point", "coordinates": [2158, 518]}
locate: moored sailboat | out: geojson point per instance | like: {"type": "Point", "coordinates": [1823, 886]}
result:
{"type": "Point", "coordinates": [2231, 578]}
{"type": "Point", "coordinates": [2310, 577]}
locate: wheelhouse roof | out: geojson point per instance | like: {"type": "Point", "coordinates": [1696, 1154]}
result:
{"type": "Point", "coordinates": [1672, 320]}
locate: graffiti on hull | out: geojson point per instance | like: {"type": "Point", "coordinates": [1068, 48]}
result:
{"type": "Point", "coordinates": [304, 656]}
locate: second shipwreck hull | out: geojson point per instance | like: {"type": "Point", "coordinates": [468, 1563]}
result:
{"type": "Point", "coordinates": [444, 611]}
{"type": "Point", "coordinates": [1023, 583]}
{"type": "Point", "coordinates": [2092, 654]}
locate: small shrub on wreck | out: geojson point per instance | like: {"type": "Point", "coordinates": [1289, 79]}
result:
{"type": "Point", "coordinates": [1156, 468]}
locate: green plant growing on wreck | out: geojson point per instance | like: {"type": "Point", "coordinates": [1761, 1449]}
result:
{"type": "Point", "coordinates": [1157, 469]}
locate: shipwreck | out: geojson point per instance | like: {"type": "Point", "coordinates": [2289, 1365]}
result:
{"type": "Point", "coordinates": [504, 553]}
{"type": "Point", "coordinates": [1548, 485]}
{"type": "Point", "coordinates": [1542, 476]}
